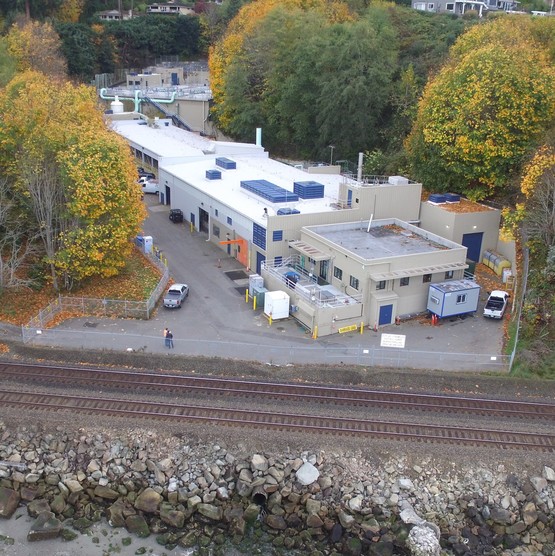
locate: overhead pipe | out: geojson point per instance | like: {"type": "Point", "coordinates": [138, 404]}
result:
{"type": "Point", "coordinates": [136, 99]}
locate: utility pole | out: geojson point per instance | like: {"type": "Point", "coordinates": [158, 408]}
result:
{"type": "Point", "coordinates": [331, 153]}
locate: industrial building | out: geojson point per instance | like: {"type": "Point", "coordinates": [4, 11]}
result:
{"type": "Point", "coordinates": [350, 251]}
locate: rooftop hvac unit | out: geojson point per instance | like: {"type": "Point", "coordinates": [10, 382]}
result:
{"type": "Point", "coordinates": [437, 199]}
{"type": "Point", "coordinates": [398, 180]}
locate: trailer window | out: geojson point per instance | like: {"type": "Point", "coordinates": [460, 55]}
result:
{"type": "Point", "coordinates": [434, 300]}
{"type": "Point", "coordinates": [461, 298]}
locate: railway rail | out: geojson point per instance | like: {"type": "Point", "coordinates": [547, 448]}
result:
{"type": "Point", "coordinates": [283, 421]}
{"type": "Point", "coordinates": [176, 411]}
{"type": "Point", "coordinates": [175, 384]}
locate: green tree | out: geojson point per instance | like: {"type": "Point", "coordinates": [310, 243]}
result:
{"type": "Point", "coordinates": [479, 116]}
{"type": "Point", "coordinates": [79, 49]}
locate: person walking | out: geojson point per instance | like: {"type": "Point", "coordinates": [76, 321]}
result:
{"type": "Point", "coordinates": [169, 338]}
{"type": "Point", "coordinates": [166, 339]}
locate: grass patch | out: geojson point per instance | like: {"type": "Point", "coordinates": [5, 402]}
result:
{"type": "Point", "coordinates": [134, 283]}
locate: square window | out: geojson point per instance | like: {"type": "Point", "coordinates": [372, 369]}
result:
{"type": "Point", "coordinates": [449, 274]}
{"type": "Point", "coordinates": [337, 273]}
{"type": "Point", "coordinates": [380, 285]}
{"type": "Point", "coordinates": [353, 282]}
{"type": "Point", "coordinates": [229, 221]}
{"type": "Point", "coordinates": [278, 261]}
{"type": "Point", "coordinates": [426, 278]}
{"type": "Point", "coordinates": [434, 300]}
{"type": "Point", "coordinates": [461, 298]}
{"type": "Point", "coordinates": [404, 281]}
{"type": "Point", "coordinates": [277, 235]}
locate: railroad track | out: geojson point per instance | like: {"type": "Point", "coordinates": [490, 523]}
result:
{"type": "Point", "coordinates": [177, 384]}
{"type": "Point", "coordinates": [183, 412]}
{"type": "Point", "coordinates": [272, 420]}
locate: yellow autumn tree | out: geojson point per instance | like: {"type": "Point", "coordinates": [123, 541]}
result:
{"type": "Point", "coordinates": [70, 11]}
{"type": "Point", "coordinates": [242, 26]}
{"type": "Point", "coordinates": [36, 46]}
{"type": "Point", "coordinates": [71, 174]}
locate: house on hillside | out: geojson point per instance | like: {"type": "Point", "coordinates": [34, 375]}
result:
{"type": "Point", "coordinates": [460, 7]}
{"type": "Point", "coordinates": [169, 9]}
{"type": "Point", "coordinates": [114, 15]}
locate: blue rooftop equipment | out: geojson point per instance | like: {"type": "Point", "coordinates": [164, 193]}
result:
{"type": "Point", "coordinates": [225, 163]}
{"type": "Point", "coordinates": [437, 198]}
{"type": "Point", "coordinates": [213, 175]}
{"type": "Point", "coordinates": [269, 191]}
{"type": "Point", "coordinates": [452, 197]}
{"type": "Point", "coordinates": [286, 210]}
{"type": "Point", "coordinates": [308, 189]}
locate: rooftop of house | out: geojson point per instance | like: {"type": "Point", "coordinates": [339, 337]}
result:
{"type": "Point", "coordinates": [461, 205]}
{"type": "Point", "coordinates": [384, 239]}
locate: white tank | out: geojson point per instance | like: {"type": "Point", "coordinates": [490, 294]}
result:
{"type": "Point", "coordinates": [116, 106]}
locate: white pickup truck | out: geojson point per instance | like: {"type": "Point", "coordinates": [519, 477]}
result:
{"type": "Point", "coordinates": [496, 304]}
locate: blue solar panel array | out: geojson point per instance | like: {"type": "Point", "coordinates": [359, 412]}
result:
{"type": "Point", "coordinates": [269, 191]}
{"type": "Point", "coordinates": [309, 189]}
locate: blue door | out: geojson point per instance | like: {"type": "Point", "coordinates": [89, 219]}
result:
{"type": "Point", "coordinates": [386, 311]}
{"type": "Point", "coordinates": [349, 197]}
{"type": "Point", "coordinates": [473, 242]}
{"type": "Point", "coordinates": [260, 258]}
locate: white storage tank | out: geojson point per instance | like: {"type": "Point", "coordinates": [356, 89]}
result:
{"type": "Point", "coordinates": [276, 305]}
{"type": "Point", "coordinates": [116, 106]}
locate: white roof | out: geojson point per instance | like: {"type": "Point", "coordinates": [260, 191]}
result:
{"type": "Point", "coordinates": [165, 141]}
{"type": "Point", "coordinates": [229, 192]}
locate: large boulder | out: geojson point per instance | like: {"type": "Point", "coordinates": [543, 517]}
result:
{"type": "Point", "coordinates": [422, 541]}
{"type": "Point", "coordinates": [46, 526]}
{"type": "Point", "coordinates": [9, 500]}
{"type": "Point", "coordinates": [307, 474]}
{"type": "Point", "coordinates": [148, 501]}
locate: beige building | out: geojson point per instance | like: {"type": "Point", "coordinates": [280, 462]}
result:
{"type": "Point", "coordinates": [349, 252]}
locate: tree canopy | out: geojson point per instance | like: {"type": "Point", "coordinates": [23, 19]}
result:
{"type": "Point", "coordinates": [72, 178]}
{"type": "Point", "coordinates": [483, 112]}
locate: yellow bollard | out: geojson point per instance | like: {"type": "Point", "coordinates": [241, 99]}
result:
{"type": "Point", "coordinates": [361, 327]}
{"type": "Point", "coordinates": [191, 227]}
{"type": "Point", "coordinates": [315, 333]}
{"type": "Point", "coordinates": [254, 303]}
{"type": "Point", "coordinates": [270, 319]}
{"type": "Point", "coordinates": [247, 295]}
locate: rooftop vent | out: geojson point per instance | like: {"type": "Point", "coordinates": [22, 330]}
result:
{"type": "Point", "coordinates": [225, 163]}
{"type": "Point", "coordinates": [452, 198]}
{"type": "Point", "coordinates": [269, 191]}
{"type": "Point", "coordinates": [213, 175]}
{"type": "Point", "coordinates": [398, 180]}
{"type": "Point", "coordinates": [308, 189]}
{"type": "Point", "coordinates": [437, 199]}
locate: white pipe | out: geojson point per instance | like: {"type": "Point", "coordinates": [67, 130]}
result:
{"type": "Point", "coordinates": [369, 223]}
{"type": "Point", "coordinates": [258, 136]}
{"type": "Point", "coordinates": [359, 173]}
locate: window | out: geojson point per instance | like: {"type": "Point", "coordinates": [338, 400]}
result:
{"type": "Point", "coordinates": [337, 273]}
{"type": "Point", "coordinates": [404, 281]}
{"type": "Point", "coordinates": [449, 275]}
{"type": "Point", "coordinates": [229, 221]}
{"type": "Point", "coordinates": [277, 235]}
{"type": "Point", "coordinates": [380, 285]}
{"type": "Point", "coordinates": [426, 278]}
{"type": "Point", "coordinates": [461, 298]}
{"type": "Point", "coordinates": [278, 261]}
{"type": "Point", "coordinates": [216, 231]}
{"type": "Point", "coordinates": [430, 7]}
{"type": "Point", "coordinates": [259, 236]}
{"type": "Point", "coordinates": [434, 300]}
{"type": "Point", "coordinates": [215, 212]}
{"type": "Point", "coordinates": [353, 282]}
{"type": "Point", "coordinates": [450, 7]}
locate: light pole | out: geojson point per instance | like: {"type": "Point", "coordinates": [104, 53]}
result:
{"type": "Point", "coordinates": [331, 154]}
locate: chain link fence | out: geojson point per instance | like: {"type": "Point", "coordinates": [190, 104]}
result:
{"type": "Point", "coordinates": [118, 308]}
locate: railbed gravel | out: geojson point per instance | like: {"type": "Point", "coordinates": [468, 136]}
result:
{"type": "Point", "coordinates": [256, 440]}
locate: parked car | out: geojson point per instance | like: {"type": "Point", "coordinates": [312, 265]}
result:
{"type": "Point", "coordinates": [496, 304]}
{"type": "Point", "coordinates": [151, 186]}
{"type": "Point", "coordinates": [176, 215]}
{"type": "Point", "coordinates": [176, 294]}
{"type": "Point", "coordinates": [145, 174]}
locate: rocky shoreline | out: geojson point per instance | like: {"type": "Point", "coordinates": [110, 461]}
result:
{"type": "Point", "coordinates": [206, 497]}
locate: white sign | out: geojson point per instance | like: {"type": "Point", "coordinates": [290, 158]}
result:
{"type": "Point", "coordinates": [393, 340]}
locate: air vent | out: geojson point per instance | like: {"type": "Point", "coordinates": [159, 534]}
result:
{"type": "Point", "coordinates": [213, 175]}
{"type": "Point", "coordinates": [226, 163]}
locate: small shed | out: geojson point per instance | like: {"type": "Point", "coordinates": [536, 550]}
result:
{"type": "Point", "coordinates": [454, 297]}
{"type": "Point", "coordinates": [276, 305]}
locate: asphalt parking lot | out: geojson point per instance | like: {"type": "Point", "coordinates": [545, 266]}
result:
{"type": "Point", "coordinates": [216, 320]}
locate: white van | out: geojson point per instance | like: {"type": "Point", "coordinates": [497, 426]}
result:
{"type": "Point", "coordinates": [151, 186]}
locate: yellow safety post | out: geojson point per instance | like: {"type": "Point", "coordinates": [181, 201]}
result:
{"type": "Point", "coordinates": [315, 333]}
{"type": "Point", "coordinates": [247, 295]}
{"type": "Point", "coordinates": [191, 226]}
{"type": "Point", "coordinates": [254, 302]}
{"type": "Point", "coordinates": [361, 327]}
{"type": "Point", "coordinates": [270, 319]}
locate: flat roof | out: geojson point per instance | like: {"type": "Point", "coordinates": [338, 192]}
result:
{"type": "Point", "coordinates": [164, 140]}
{"type": "Point", "coordinates": [229, 192]}
{"type": "Point", "coordinates": [385, 239]}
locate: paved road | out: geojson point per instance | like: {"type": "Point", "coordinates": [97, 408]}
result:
{"type": "Point", "coordinates": [216, 321]}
